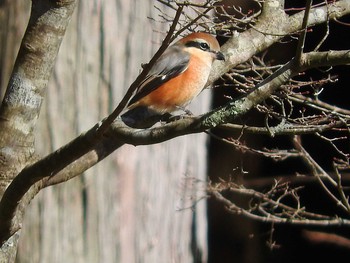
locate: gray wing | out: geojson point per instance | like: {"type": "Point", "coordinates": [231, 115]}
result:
{"type": "Point", "coordinates": [170, 64]}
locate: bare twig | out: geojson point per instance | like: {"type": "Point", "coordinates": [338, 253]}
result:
{"type": "Point", "coordinates": [344, 198]}
{"type": "Point", "coordinates": [288, 129]}
{"type": "Point", "coordinates": [320, 105]}
{"type": "Point", "coordinates": [301, 42]}
{"type": "Point", "coordinates": [319, 173]}
{"type": "Point", "coordinates": [270, 218]}
{"type": "Point", "coordinates": [167, 40]}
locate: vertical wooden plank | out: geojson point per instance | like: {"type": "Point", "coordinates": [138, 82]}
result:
{"type": "Point", "coordinates": [129, 207]}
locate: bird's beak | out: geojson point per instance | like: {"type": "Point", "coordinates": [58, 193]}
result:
{"type": "Point", "coordinates": [219, 56]}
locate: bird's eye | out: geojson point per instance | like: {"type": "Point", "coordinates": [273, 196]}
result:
{"type": "Point", "coordinates": [204, 46]}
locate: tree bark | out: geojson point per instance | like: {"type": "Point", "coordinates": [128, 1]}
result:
{"type": "Point", "coordinates": [128, 208]}
{"type": "Point", "coordinates": [21, 106]}
{"type": "Point", "coordinates": [11, 31]}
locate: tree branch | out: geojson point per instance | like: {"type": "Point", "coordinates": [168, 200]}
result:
{"type": "Point", "coordinates": [23, 98]}
{"type": "Point", "coordinates": [69, 160]}
{"type": "Point", "coordinates": [266, 217]}
{"type": "Point", "coordinates": [167, 40]}
{"type": "Point", "coordinates": [242, 46]}
{"type": "Point", "coordinates": [287, 129]}
{"type": "Point", "coordinates": [301, 41]}
{"type": "Point", "coordinates": [119, 133]}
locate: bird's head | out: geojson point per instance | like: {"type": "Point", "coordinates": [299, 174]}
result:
{"type": "Point", "coordinates": [204, 42]}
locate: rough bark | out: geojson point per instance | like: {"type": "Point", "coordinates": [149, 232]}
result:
{"type": "Point", "coordinates": [125, 209]}
{"type": "Point", "coordinates": [22, 103]}
{"type": "Point", "coordinates": [138, 187]}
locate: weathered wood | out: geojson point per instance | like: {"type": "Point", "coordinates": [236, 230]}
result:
{"type": "Point", "coordinates": [126, 208]}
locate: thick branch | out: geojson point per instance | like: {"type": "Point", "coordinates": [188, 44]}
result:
{"type": "Point", "coordinates": [24, 95]}
{"type": "Point", "coordinates": [325, 59]}
{"type": "Point", "coordinates": [169, 37]}
{"type": "Point", "coordinates": [227, 112]}
{"type": "Point", "coordinates": [23, 99]}
{"type": "Point", "coordinates": [119, 133]}
{"type": "Point", "coordinates": [269, 30]}
{"type": "Point", "coordinates": [56, 165]}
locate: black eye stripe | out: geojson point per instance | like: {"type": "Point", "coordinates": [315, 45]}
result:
{"type": "Point", "coordinates": [200, 45]}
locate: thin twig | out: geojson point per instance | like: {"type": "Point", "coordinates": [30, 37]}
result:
{"type": "Point", "coordinates": [318, 172]}
{"type": "Point", "coordinates": [301, 42]}
{"type": "Point", "coordinates": [167, 40]}
{"type": "Point", "coordinates": [344, 199]}
{"type": "Point", "coordinates": [290, 129]}
{"type": "Point", "coordinates": [233, 208]}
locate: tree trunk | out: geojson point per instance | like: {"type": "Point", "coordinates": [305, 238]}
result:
{"type": "Point", "coordinates": [129, 208]}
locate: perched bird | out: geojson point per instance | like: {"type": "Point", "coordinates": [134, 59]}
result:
{"type": "Point", "coordinates": [176, 78]}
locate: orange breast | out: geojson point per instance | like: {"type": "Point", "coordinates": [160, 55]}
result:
{"type": "Point", "coordinates": [179, 91]}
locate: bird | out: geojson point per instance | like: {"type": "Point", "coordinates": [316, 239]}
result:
{"type": "Point", "coordinates": [175, 79]}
